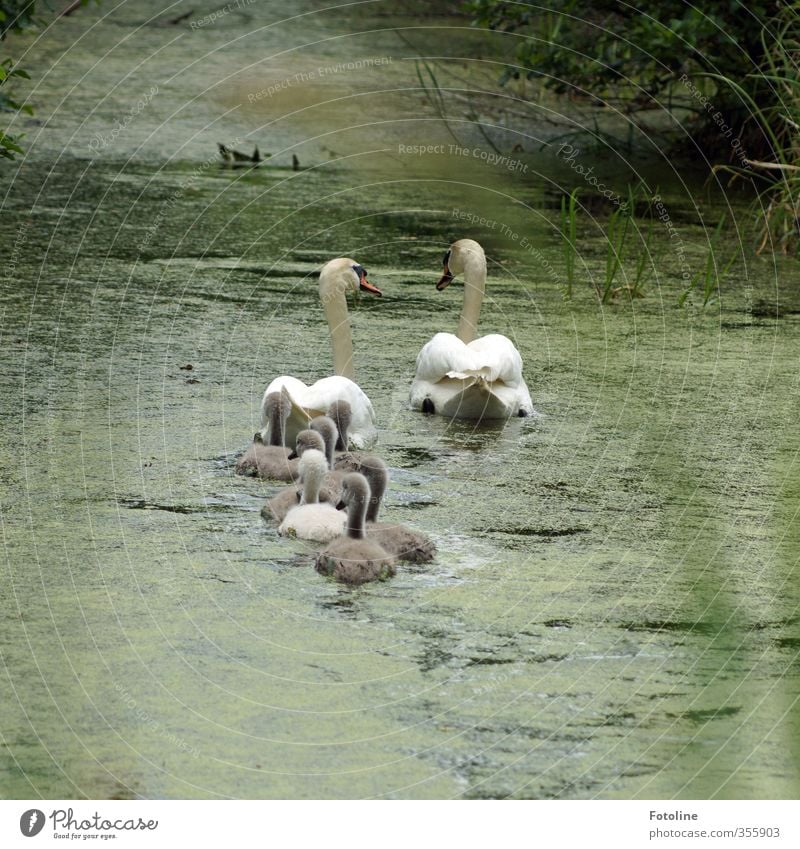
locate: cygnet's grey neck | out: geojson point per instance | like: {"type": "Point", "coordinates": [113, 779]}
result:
{"type": "Point", "coordinates": [342, 415]}
{"type": "Point", "coordinates": [326, 428]}
{"type": "Point", "coordinates": [277, 419]}
{"type": "Point", "coordinates": [374, 470]}
{"type": "Point", "coordinates": [356, 517]}
{"type": "Point", "coordinates": [357, 496]}
{"type": "Point", "coordinates": [313, 468]}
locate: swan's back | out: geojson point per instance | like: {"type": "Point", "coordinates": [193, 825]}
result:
{"type": "Point", "coordinates": [316, 400]}
{"type": "Point", "coordinates": [268, 462]}
{"type": "Point", "coordinates": [402, 542]}
{"type": "Point", "coordinates": [444, 353]}
{"type": "Point", "coordinates": [493, 357]}
{"type": "Point", "coordinates": [498, 355]}
{"type": "Point", "coordinates": [355, 561]}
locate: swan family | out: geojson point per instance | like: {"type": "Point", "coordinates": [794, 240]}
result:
{"type": "Point", "coordinates": [307, 431]}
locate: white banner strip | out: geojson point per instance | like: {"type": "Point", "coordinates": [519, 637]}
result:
{"type": "Point", "coordinates": [386, 824]}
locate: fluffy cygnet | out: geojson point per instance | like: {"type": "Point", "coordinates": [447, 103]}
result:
{"type": "Point", "coordinates": [400, 541]}
{"type": "Point", "coordinates": [316, 520]}
{"type": "Point", "coordinates": [279, 505]}
{"type": "Point", "coordinates": [353, 558]}
{"type": "Point", "coordinates": [271, 461]}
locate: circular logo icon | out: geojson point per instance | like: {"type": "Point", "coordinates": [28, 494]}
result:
{"type": "Point", "coordinates": [31, 822]}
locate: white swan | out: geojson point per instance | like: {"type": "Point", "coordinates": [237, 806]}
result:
{"type": "Point", "coordinates": [313, 519]}
{"type": "Point", "coordinates": [336, 278]}
{"type": "Point", "coordinates": [462, 377]}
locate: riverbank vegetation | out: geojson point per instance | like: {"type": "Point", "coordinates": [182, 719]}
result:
{"type": "Point", "coordinates": [777, 175]}
{"type": "Point", "coordinates": [15, 15]}
{"type": "Point", "coordinates": [728, 76]}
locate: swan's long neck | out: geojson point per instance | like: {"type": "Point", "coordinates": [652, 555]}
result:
{"type": "Point", "coordinates": [356, 513]}
{"type": "Point", "coordinates": [474, 287]}
{"type": "Point", "coordinates": [331, 293]}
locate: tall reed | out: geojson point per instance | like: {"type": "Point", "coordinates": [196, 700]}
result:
{"type": "Point", "coordinates": [778, 202]}
{"type": "Point", "coordinates": [568, 233]}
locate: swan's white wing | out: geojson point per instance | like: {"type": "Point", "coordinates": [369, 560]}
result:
{"type": "Point", "coordinates": [479, 380]}
{"type": "Point", "coordinates": [497, 358]}
{"type": "Point", "coordinates": [443, 354]}
{"type": "Point", "coordinates": [316, 399]}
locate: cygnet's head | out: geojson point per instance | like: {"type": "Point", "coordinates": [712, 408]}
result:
{"type": "Point", "coordinates": [460, 255]}
{"type": "Point", "coordinates": [342, 415]}
{"type": "Point", "coordinates": [355, 490]}
{"type": "Point", "coordinates": [345, 275]}
{"type": "Point", "coordinates": [326, 428]}
{"type": "Point", "coordinates": [312, 464]}
{"type": "Point", "coordinates": [307, 439]}
{"type": "Point", "coordinates": [275, 410]}
{"type": "Point", "coordinates": [278, 403]}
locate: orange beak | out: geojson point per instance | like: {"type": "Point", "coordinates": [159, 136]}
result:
{"type": "Point", "coordinates": [368, 287]}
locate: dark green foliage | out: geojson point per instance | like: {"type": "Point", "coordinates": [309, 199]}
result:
{"type": "Point", "coordinates": [13, 16]}
{"type": "Point", "coordinates": [16, 15]}
{"type": "Point", "coordinates": [634, 56]}
{"type": "Point", "coordinates": [778, 203]}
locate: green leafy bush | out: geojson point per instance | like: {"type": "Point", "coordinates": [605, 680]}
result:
{"type": "Point", "coordinates": [13, 16]}
{"type": "Point", "coordinates": [635, 56]}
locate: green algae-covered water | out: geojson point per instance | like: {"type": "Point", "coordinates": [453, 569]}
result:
{"type": "Point", "coordinates": [613, 612]}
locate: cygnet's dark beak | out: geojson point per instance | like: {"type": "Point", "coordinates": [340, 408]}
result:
{"type": "Point", "coordinates": [294, 455]}
{"type": "Point", "coordinates": [340, 505]}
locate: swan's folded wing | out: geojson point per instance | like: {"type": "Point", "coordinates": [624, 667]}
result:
{"type": "Point", "coordinates": [445, 353]}
{"type": "Point", "coordinates": [300, 414]}
{"type": "Point", "coordinates": [320, 395]}
{"type": "Point", "coordinates": [497, 358]}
